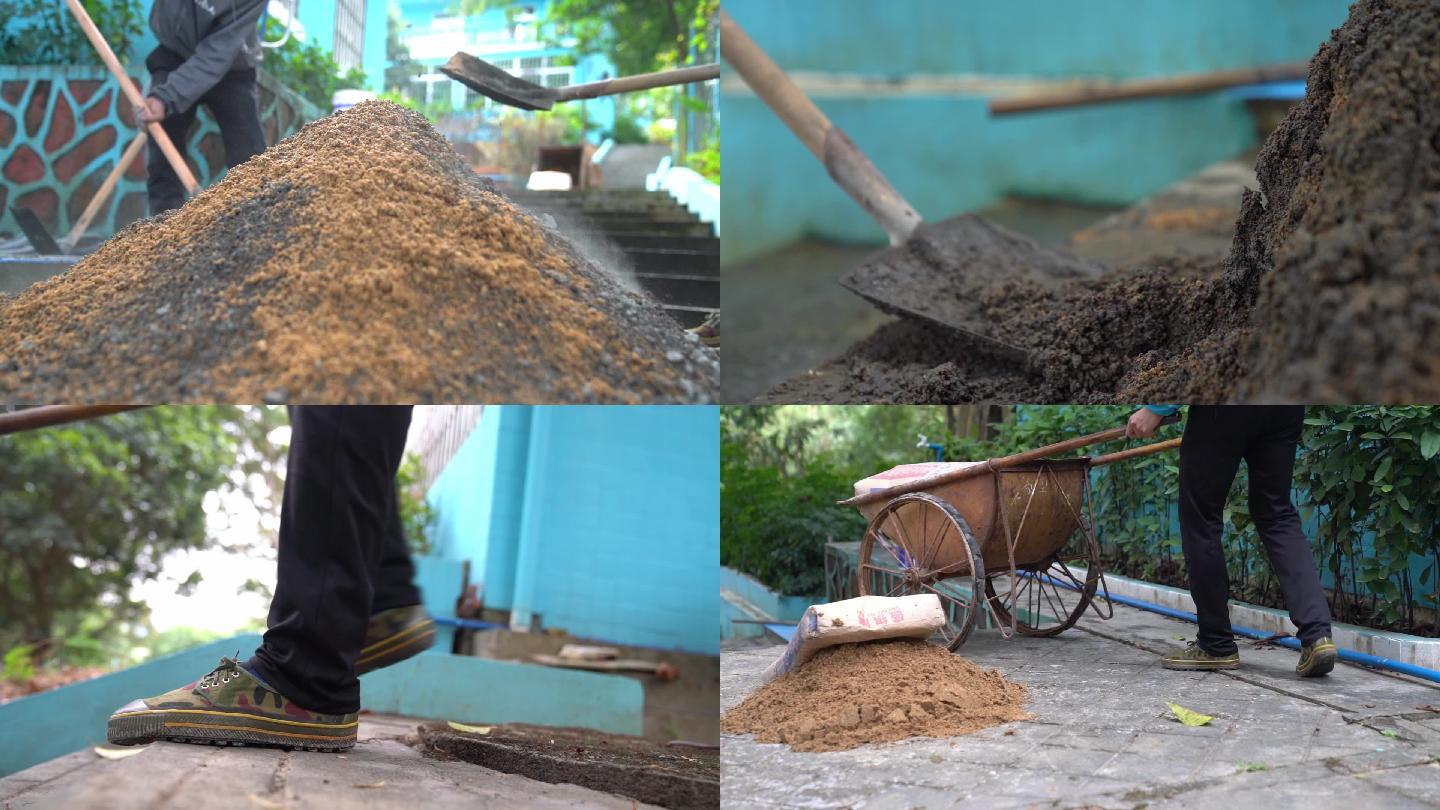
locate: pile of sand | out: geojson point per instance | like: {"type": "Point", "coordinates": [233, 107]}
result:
{"type": "Point", "coordinates": [358, 260]}
{"type": "Point", "coordinates": [882, 691]}
{"type": "Point", "coordinates": [1331, 292]}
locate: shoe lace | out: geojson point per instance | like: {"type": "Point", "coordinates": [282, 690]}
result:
{"type": "Point", "coordinates": [228, 670]}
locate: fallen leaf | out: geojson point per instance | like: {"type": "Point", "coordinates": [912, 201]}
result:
{"type": "Point", "coordinates": [1009, 733]}
{"type": "Point", "coordinates": [267, 804]}
{"type": "Point", "coordinates": [469, 729]}
{"type": "Point", "coordinates": [1188, 717]}
{"type": "Point", "coordinates": [1390, 732]}
{"type": "Point", "coordinates": [370, 785]}
{"type": "Point", "coordinates": [1426, 707]}
{"type": "Point", "coordinates": [117, 753]}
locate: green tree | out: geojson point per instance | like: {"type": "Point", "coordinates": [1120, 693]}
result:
{"type": "Point", "coordinates": [46, 34]}
{"type": "Point", "coordinates": [400, 67]}
{"type": "Point", "coordinates": [91, 508]}
{"type": "Point", "coordinates": [307, 68]}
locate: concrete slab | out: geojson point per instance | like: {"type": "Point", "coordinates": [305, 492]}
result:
{"type": "Point", "coordinates": [380, 772]}
{"type": "Point", "coordinates": [1102, 735]}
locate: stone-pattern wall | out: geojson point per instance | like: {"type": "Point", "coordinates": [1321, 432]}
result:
{"type": "Point", "coordinates": [62, 129]}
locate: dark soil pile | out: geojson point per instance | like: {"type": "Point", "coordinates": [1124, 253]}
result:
{"type": "Point", "coordinates": [1331, 292]}
{"type": "Point", "coordinates": [882, 691]}
{"type": "Point", "coordinates": [359, 260]}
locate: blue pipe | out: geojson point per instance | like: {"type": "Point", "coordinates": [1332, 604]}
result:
{"type": "Point", "coordinates": [1345, 655]}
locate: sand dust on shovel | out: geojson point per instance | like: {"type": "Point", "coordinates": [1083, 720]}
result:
{"type": "Point", "coordinates": [881, 691]}
{"type": "Point", "coordinates": [359, 260]}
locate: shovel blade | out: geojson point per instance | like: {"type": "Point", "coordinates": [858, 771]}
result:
{"type": "Point", "coordinates": [940, 272]}
{"type": "Point", "coordinates": [34, 230]}
{"type": "Point", "coordinates": [494, 83]}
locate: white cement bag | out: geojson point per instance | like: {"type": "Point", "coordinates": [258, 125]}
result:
{"type": "Point", "coordinates": [864, 618]}
{"type": "Point", "coordinates": [908, 474]}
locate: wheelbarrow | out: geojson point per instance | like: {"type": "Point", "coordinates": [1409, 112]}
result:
{"type": "Point", "coordinates": [999, 535]}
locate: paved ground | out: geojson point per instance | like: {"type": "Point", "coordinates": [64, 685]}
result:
{"type": "Point", "coordinates": [1102, 736]}
{"type": "Point", "coordinates": [380, 772]}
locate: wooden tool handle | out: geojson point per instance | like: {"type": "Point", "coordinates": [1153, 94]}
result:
{"type": "Point", "coordinates": [995, 465]}
{"type": "Point", "coordinates": [103, 193]}
{"type": "Point", "coordinates": [1134, 452]}
{"type": "Point", "coordinates": [1148, 88]}
{"type": "Point", "coordinates": [643, 81]}
{"type": "Point", "coordinates": [847, 165]}
{"type": "Point", "coordinates": [133, 93]}
{"type": "Point", "coordinates": [48, 415]}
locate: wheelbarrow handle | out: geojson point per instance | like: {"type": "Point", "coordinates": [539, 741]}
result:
{"type": "Point", "coordinates": [843, 160]}
{"type": "Point", "coordinates": [995, 465]}
{"type": "Point", "coordinates": [49, 415]}
{"type": "Point", "coordinates": [1134, 452]}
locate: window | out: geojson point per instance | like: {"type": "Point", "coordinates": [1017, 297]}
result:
{"type": "Point", "coordinates": [349, 33]}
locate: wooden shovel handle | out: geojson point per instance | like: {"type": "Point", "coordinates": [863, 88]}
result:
{"type": "Point", "coordinates": [133, 93]}
{"type": "Point", "coordinates": [1150, 88]}
{"type": "Point", "coordinates": [847, 165]}
{"type": "Point", "coordinates": [642, 81]}
{"type": "Point", "coordinates": [103, 193]}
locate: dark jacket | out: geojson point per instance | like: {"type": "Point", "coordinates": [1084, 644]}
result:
{"type": "Point", "coordinates": [214, 37]}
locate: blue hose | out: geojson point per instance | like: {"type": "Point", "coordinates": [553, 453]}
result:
{"type": "Point", "coordinates": [1292, 643]}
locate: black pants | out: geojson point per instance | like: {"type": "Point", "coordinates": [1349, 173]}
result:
{"type": "Point", "coordinates": [342, 552]}
{"type": "Point", "coordinates": [235, 103]}
{"type": "Point", "coordinates": [1217, 437]}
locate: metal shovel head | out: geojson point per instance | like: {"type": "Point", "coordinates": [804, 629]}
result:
{"type": "Point", "coordinates": [34, 230]}
{"type": "Point", "coordinates": [939, 273]}
{"type": "Point", "coordinates": [494, 83]}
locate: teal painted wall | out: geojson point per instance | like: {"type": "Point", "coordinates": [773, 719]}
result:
{"type": "Point", "coordinates": [943, 152]}
{"type": "Point", "coordinates": [601, 520]}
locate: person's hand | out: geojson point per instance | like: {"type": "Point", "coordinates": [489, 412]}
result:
{"type": "Point", "coordinates": [1142, 424]}
{"type": "Point", "coordinates": [151, 112]}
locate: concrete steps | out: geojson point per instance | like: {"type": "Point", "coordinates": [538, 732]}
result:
{"type": "Point", "coordinates": [674, 256]}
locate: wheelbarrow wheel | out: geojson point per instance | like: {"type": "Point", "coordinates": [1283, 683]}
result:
{"type": "Point", "coordinates": [917, 544]}
{"type": "Point", "coordinates": [1049, 597]}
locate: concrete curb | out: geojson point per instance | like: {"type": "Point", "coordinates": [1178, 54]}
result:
{"type": "Point", "coordinates": [1417, 650]}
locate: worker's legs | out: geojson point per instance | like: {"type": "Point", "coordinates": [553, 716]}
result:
{"type": "Point", "coordinates": [394, 573]}
{"type": "Point", "coordinates": [162, 185]}
{"type": "Point", "coordinates": [1210, 453]}
{"type": "Point", "coordinates": [337, 511]}
{"type": "Point", "coordinates": [235, 103]}
{"type": "Point", "coordinates": [1271, 462]}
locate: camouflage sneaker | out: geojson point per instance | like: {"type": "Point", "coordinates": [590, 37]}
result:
{"type": "Point", "coordinates": [395, 635]}
{"type": "Point", "coordinates": [1316, 658]}
{"type": "Point", "coordinates": [230, 707]}
{"type": "Point", "coordinates": [1194, 658]}
{"type": "Point", "coordinates": [709, 331]}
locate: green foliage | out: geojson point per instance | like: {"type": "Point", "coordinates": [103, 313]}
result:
{"type": "Point", "coordinates": [628, 130]}
{"type": "Point", "coordinates": [417, 516]}
{"type": "Point", "coordinates": [775, 526]}
{"type": "Point", "coordinates": [400, 67]}
{"type": "Point", "coordinates": [638, 36]}
{"type": "Point", "coordinates": [1373, 474]}
{"type": "Point", "coordinates": [783, 467]}
{"type": "Point", "coordinates": [18, 664]}
{"type": "Point", "coordinates": [91, 508]}
{"type": "Point", "coordinates": [47, 34]}
{"type": "Point", "coordinates": [707, 160]}
{"type": "Point", "coordinates": [307, 68]}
